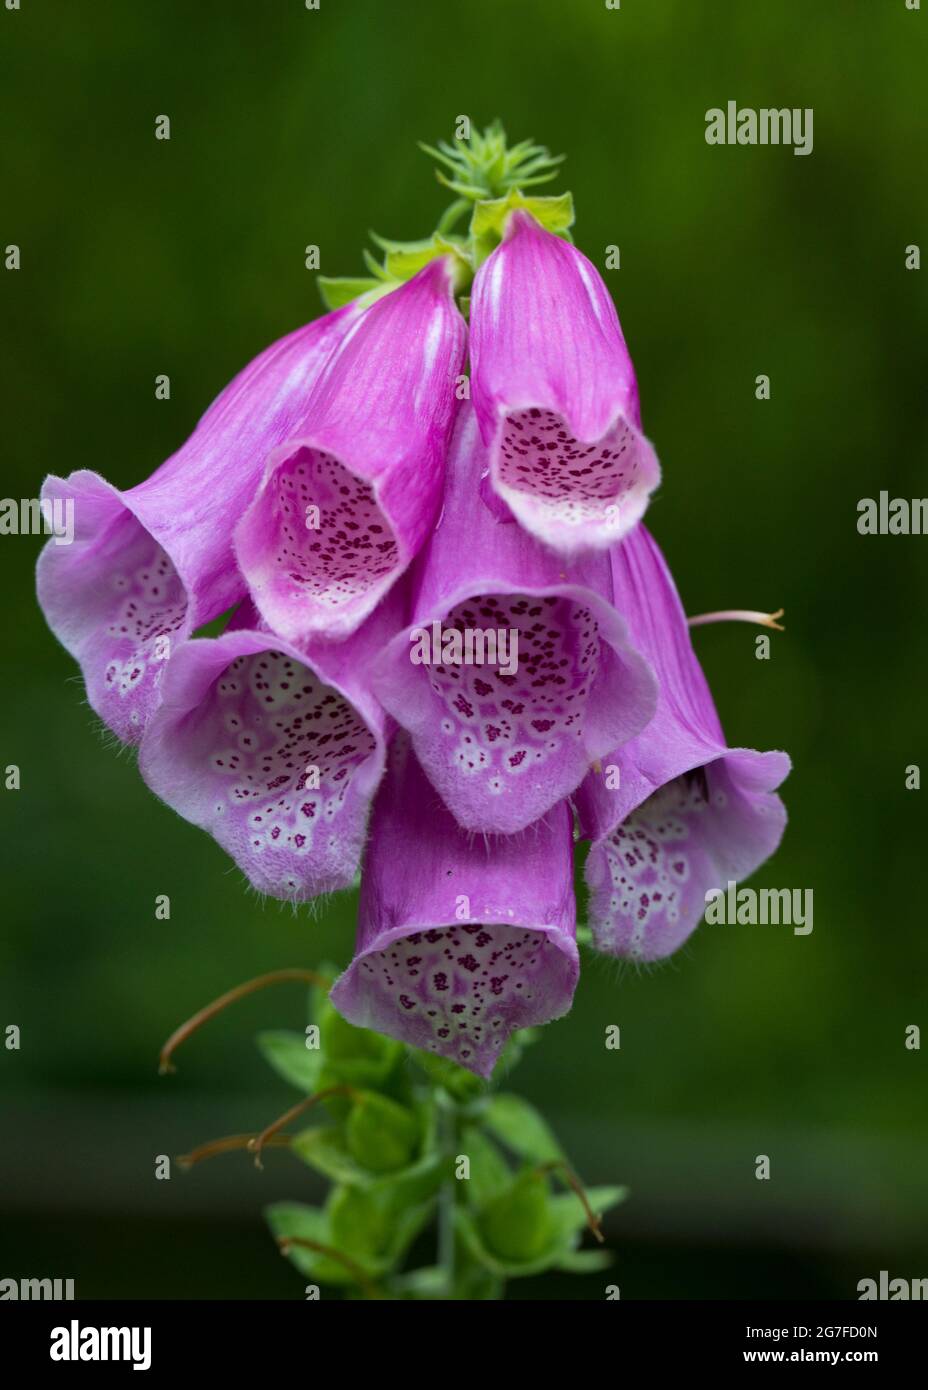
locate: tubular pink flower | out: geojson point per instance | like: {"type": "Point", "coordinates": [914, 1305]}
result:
{"type": "Point", "coordinates": [460, 941]}
{"type": "Point", "coordinates": [555, 393]}
{"type": "Point", "coordinates": [274, 749]}
{"type": "Point", "coordinates": [150, 565]}
{"type": "Point", "coordinates": [688, 813]}
{"type": "Point", "coordinates": [501, 745]}
{"type": "Point", "coordinates": [346, 503]}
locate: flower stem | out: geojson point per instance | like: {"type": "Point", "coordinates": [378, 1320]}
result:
{"type": "Point", "coordinates": [447, 1198]}
{"type": "Point", "coordinates": [274, 977]}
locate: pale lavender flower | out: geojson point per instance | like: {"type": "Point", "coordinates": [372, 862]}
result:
{"type": "Point", "coordinates": [555, 392]}
{"type": "Point", "coordinates": [461, 940]}
{"type": "Point", "coordinates": [675, 812]}
{"type": "Point", "coordinates": [150, 565]}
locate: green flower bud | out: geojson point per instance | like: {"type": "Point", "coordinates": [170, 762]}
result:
{"type": "Point", "coordinates": [381, 1135]}
{"type": "Point", "coordinates": [517, 1225]}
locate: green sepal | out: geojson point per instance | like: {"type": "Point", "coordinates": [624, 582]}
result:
{"type": "Point", "coordinates": [430, 1283]}
{"type": "Point", "coordinates": [516, 1225]}
{"type": "Point", "coordinates": [461, 1084]}
{"type": "Point", "coordinates": [326, 1150]}
{"type": "Point", "coordinates": [584, 1261]}
{"type": "Point", "coordinates": [568, 1215]}
{"type": "Point", "coordinates": [490, 1174]}
{"type": "Point", "coordinates": [521, 1128]}
{"type": "Point", "coordinates": [337, 291]}
{"type": "Point", "coordinates": [365, 1226]}
{"type": "Point", "coordinates": [288, 1054]}
{"type": "Point", "coordinates": [354, 1056]}
{"type": "Point", "coordinates": [378, 271]}
{"type": "Point", "coordinates": [380, 1134]}
{"type": "Point", "coordinates": [568, 1220]}
{"type": "Point", "coordinates": [488, 223]}
{"type": "Point", "coordinates": [296, 1219]}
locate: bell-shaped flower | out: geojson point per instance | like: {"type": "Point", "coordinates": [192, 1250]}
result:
{"type": "Point", "coordinates": [555, 392]}
{"type": "Point", "coordinates": [275, 749]}
{"type": "Point", "coordinates": [675, 812]}
{"type": "Point", "coordinates": [516, 671]}
{"type": "Point", "coordinates": [461, 940]}
{"type": "Point", "coordinates": [346, 502]}
{"type": "Point", "coordinates": [150, 565]}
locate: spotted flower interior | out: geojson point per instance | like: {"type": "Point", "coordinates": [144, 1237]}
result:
{"type": "Point", "coordinates": [134, 614]}
{"type": "Point", "coordinates": [515, 737]}
{"type": "Point", "coordinates": [562, 479]}
{"type": "Point", "coordinates": [461, 990]}
{"type": "Point", "coordinates": [651, 874]}
{"type": "Point", "coordinates": [276, 751]}
{"type": "Point", "coordinates": [333, 543]}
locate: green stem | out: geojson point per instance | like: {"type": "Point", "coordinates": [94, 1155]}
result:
{"type": "Point", "coordinates": [447, 1200]}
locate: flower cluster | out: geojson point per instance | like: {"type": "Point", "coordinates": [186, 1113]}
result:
{"type": "Point", "coordinates": [452, 638]}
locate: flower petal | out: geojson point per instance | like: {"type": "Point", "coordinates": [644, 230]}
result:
{"type": "Point", "coordinates": [460, 942]}
{"type": "Point", "coordinates": [503, 746]}
{"type": "Point", "coordinates": [275, 750]}
{"type": "Point", "coordinates": [555, 393]}
{"type": "Point", "coordinates": [344, 506]}
{"type": "Point", "coordinates": [149, 565]}
{"type": "Point", "coordinates": [688, 813]}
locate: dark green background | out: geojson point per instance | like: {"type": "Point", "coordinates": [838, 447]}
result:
{"type": "Point", "coordinates": [141, 257]}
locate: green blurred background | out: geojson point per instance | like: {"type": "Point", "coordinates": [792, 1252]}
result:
{"type": "Point", "coordinates": [141, 257]}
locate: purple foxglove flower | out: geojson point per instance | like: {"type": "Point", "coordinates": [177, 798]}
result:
{"type": "Point", "coordinates": [555, 393]}
{"type": "Point", "coordinates": [552, 684]}
{"type": "Point", "coordinates": [276, 750]}
{"type": "Point", "coordinates": [150, 565]}
{"type": "Point", "coordinates": [675, 812]}
{"type": "Point", "coordinates": [460, 941]}
{"type": "Point", "coordinates": [345, 505]}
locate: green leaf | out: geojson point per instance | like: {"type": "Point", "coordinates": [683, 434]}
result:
{"type": "Point", "coordinates": [521, 1128]}
{"type": "Point", "coordinates": [292, 1059]}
